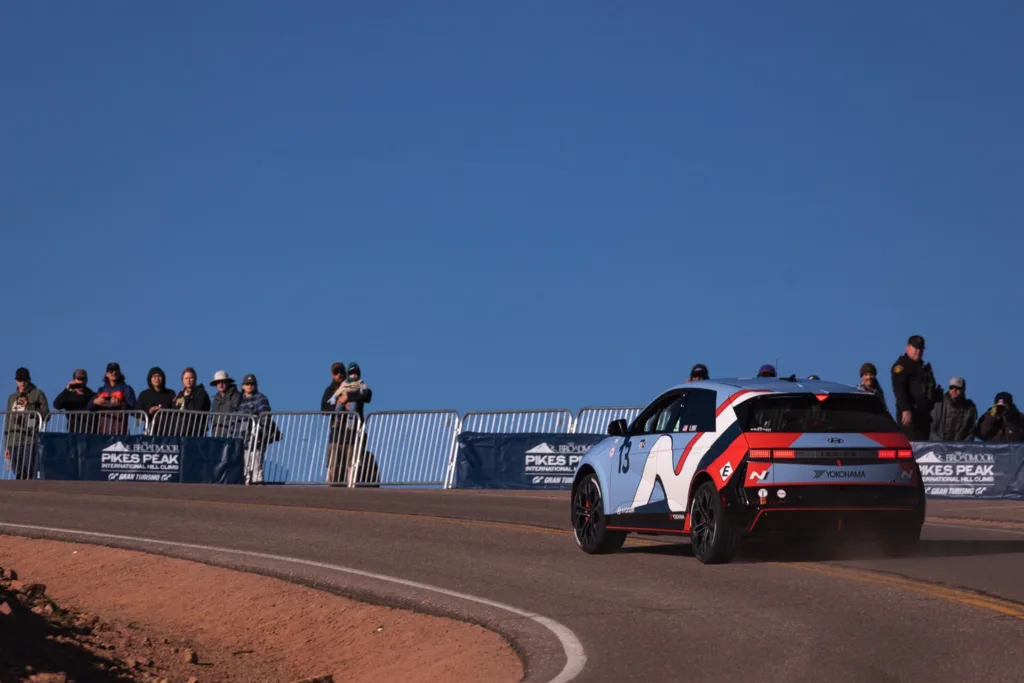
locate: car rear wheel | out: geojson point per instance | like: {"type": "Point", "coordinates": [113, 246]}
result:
{"type": "Point", "coordinates": [712, 539]}
{"type": "Point", "coordinates": [589, 523]}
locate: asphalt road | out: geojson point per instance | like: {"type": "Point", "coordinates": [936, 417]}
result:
{"type": "Point", "coordinates": [952, 612]}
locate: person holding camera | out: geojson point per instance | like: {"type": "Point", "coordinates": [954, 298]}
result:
{"type": "Point", "coordinates": [1002, 422]}
{"type": "Point", "coordinates": [21, 425]}
{"type": "Point", "coordinates": [75, 400]}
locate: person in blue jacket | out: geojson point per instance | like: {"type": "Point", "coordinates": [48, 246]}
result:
{"type": "Point", "coordinates": [112, 401]}
{"type": "Point", "coordinates": [256, 404]}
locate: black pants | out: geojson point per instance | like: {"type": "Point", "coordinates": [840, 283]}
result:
{"type": "Point", "coordinates": [23, 461]}
{"type": "Point", "coordinates": [919, 429]}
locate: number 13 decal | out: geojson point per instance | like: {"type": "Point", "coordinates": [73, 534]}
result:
{"type": "Point", "coordinates": [624, 456]}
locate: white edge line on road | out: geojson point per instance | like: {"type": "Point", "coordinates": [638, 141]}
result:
{"type": "Point", "coordinates": [575, 656]}
{"type": "Point", "coordinates": [977, 527]}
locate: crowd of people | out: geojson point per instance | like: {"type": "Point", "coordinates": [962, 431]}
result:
{"type": "Point", "coordinates": [924, 410]}
{"type": "Point", "coordinates": [190, 411]}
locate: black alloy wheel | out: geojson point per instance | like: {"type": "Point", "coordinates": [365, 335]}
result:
{"type": "Point", "coordinates": [589, 522]}
{"type": "Point", "coordinates": [712, 540]}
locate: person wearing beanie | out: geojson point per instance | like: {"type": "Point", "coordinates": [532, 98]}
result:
{"type": "Point", "coordinates": [766, 370]}
{"type": "Point", "coordinates": [27, 409]}
{"type": "Point", "coordinates": [698, 372]}
{"type": "Point", "coordinates": [869, 381]}
{"type": "Point", "coordinates": [955, 417]}
{"type": "Point", "coordinates": [1003, 422]}
{"type": "Point", "coordinates": [915, 389]}
{"type": "Point", "coordinates": [155, 398]}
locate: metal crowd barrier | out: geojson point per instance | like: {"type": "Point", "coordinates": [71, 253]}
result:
{"type": "Point", "coordinates": [18, 430]}
{"type": "Point", "coordinates": [558, 421]}
{"type": "Point", "coordinates": [411, 448]}
{"type": "Point", "coordinates": [189, 423]}
{"type": "Point", "coordinates": [595, 420]}
{"type": "Point", "coordinates": [128, 422]}
{"type": "Point", "coordinates": [307, 448]}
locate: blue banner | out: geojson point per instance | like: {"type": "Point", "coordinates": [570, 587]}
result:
{"type": "Point", "coordinates": [971, 469]}
{"type": "Point", "coordinates": [519, 461]}
{"type": "Point", "coordinates": [94, 457]}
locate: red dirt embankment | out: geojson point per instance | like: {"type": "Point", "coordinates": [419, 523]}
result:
{"type": "Point", "coordinates": [106, 614]}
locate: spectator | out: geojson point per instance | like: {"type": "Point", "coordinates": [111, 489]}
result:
{"type": "Point", "coordinates": [813, 377]}
{"type": "Point", "coordinates": [74, 400]}
{"type": "Point", "coordinates": [913, 384]}
{"type": "Point", "coordinates": [955, 417]}
{"type": "Point", "coordinates": [113, 398]}
{"type": "Point", "coordinates": [1002, 422]}
{"type": "Point", "coordinates": [193, 399]}
{"type": "Point", "coordinates": [698, 372]}
{"type": "Point", "coordinates": [226, 402]}
{"type": "Point", "coordinates": [157, 397]}
{"type": "Point", "coordinates": [337, 432]}
{"type": "Point", "coordinates": [352, 393]}
{"type": "Point", "coordinates": [349, 398]}
{"type": "Point", "coordinates": [766, 371]}
{"type": "Point", "coordinates": [255, 404]}
{"type": "Point", "coordinates": [869, 381]}
{"type": "Point", "coordinates": [22, 425]}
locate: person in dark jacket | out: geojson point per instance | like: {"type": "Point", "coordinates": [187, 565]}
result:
{"type": "Point", "coordinates": [113, 397]}
{"type": "Point", "coordinates": [348, 400]}
{"type": "Point", "coordinates": [698, 372]}
{"type": "Point", "coordinates": [954, 417]}
{"type": "Point", "coordinates": [154, 399]}
{"type": "Point", "coordinates": [1002, 423]}
{"type": "Point", "coordinates": [869, 381]}
{"type": "Point", "coordinates": [74, 400]}
{"type": "Point", "coordinates": [190, 400]}
{"type": "Point", "coordinates": [27, 409]}
{"type": "Point", "coordinates": [915, 389]}
{"type": "Point", "coordinates": [336, 432]}
{"type": "Point", "coordinates": [255, 404]}
{"type": "Point", "coordinates": [225, 404]}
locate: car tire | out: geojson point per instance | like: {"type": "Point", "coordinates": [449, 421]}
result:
{"type": "Point", "coordinates": [589, 523]}
{"type": "Point", "coordinates": [712, 539]}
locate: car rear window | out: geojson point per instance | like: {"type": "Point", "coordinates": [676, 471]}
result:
{"type": "Point", "coordinates": [805, 413]}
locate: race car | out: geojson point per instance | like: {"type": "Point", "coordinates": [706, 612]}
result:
{"type": "Point", "coordinates": [722, 460]}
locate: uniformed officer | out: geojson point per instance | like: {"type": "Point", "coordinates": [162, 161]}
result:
{"type": "Point", "coordinates": [915, 389]}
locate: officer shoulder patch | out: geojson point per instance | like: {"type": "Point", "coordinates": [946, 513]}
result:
{"type": "Point", "coordinates": [897, 368]}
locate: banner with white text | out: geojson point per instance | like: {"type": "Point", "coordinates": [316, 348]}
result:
{"type": "Point", "coordinates": [971, 469]}
{"type": "Point", "coordinates": [519, 461]}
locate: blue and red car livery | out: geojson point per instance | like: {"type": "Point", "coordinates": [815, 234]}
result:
{"type": "Point", "coordinates": [720, 460]}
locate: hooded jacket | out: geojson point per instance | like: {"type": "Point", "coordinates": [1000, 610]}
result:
{"type": "Point", "coordinates": [227, 404]}
{"type": "Point", "coordinates": [153, 396]}
{"type": "Point", "coordinates": [954, 420]}
{"type": "Point", "coordinates": [20, 429]}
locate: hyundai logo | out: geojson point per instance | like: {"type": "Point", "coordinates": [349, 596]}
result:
{"type": "Point", "coordinates": [835, 439]}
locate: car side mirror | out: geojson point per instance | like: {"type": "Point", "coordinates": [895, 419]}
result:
{"type": "Point", "coordinates": [617, 428]}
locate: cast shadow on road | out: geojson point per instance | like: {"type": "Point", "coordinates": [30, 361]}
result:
{"type": "Point", "coordinates": [761, 551]}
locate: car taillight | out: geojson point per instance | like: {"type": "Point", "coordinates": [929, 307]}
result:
{"type": "Point", "coordinates": [891, 454]}
{"type": "Point", "coordinates": [768, 453]}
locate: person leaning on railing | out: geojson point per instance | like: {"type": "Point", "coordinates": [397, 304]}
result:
{"type": "Point", "coordinates": [74, 400]}
{"type": "Point", "coordinates": [113, 395]}
{"type": "Point", "coordinates": [256, 404]}
{"type": "Point", "coordinates": [156, 398]}
{"type": "Point", "coordinates": [348, 398]}
{"type": "Point", "coordinates": [22, 424]}
{"type": "Point", "coordinates": [192, 399]}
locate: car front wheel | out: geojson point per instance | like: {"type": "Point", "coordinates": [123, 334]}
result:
{"type": "Point", "coordinates": [589, 523]}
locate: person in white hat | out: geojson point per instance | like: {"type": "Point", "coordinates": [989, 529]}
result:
{"type": "Point", "coordinates": [226, 401]}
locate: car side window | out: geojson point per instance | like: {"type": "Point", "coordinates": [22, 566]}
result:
{"type": "Point", "coordinates": [697, 411]}
{"type": "Point", "coordinates": [647, 421]}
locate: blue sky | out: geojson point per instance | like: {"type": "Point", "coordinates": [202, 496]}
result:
{"type": "Point", "coordinates": [510, 205]}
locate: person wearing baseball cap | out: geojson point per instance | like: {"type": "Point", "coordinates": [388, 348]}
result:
{"type": "Point", "coordinates": [955, 417]}
{"type": "Point", "coordinates": [915, 389]}
{"type": "Point", "coordinates": [256, 404]}
{"type": "Point", "coordinates": [112, 399]}
{"type": "Point", "coordinates": [27, 409]}
{"type": "Point", "coordinates": [75, 401]}
{"type": "Point", "coordinates": [698, 372]}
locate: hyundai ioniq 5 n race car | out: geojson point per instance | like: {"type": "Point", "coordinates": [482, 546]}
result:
{"type": "Point", "coordinates": [720, 460]}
